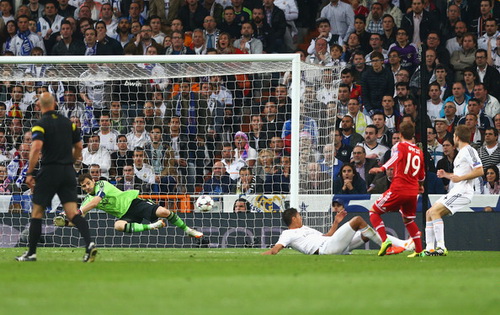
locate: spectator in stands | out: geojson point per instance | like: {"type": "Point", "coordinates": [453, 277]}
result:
{"type": "Point", "coordinates": [459, 99]}
{"type": "Point", "coordinates": [95, 172]}
{"type": "Point", "coordinates": [6, 8]}
{"type": "Point", "coordinates": [277, 145]}
{"type": "Point", "coordinates": [107, 135]}
{"type": "Point", "coordinates": [376, 82]}
{"type": "Point", "coordinates": [470, 80]}
{"type": "Point", "coordinates": [123, 34]}
{"type": "Point", "coordinates": [161, 158]}
{"type": "Point", "coordinates": [446, 164]}
{"type": "Point", "coordinates": [70, 106]}
{"type": "Point", "coordinates": [427, 72]}
{"type": "Point", "coordinates": [134, 13]}
{"type": "Point", "coordinates": [434, 148]}
{"type": "Point", "coordinates": [166, 11]}
{"type": "Point", "coordinates": [143, 170]}
{"type": "Point", "coordinates": [247, 183]}
{"type": "Point", "coordinates": [434, 103]}
{"type": "Point", "coordinates": [50, 22]}
{"type": "Point", "coordinates": [7, 185]}
{"type": "Point", "coordinates": [376, 46]}
{"type": "Point", "coordinates": [349, 182]}
{"type": "Point", "coordinates": [229, 24]}
{"type": "Point", "coordinates": [488, 75]}
{"type": "Point", "coordinates": [381, 183]}
{"type": "Point", "coordinates": [491, 182]}
{"type": "Point", "coordinates": [257, 136]}
{"type": "Point", "coordinates": [496, 121]}
{"type": "Point", "coordinates": [316, 180]}
{"type": "Point", "coordinates": [192, 15]}
{"type": "Point", "coordinates": [210, 30]}
{"type": "Point", "coordinates": [262, 30]}
{"type": "Point", "coordinates": [433, 41]}
{"type": "Point", "coordinates": [329, 163]}
{"type": "Point", "coordinates": [128, 181]}
{"type": "Point", "coordinates": [450, 109]}
{"type": "Point", "coordinates": [360, 120]}
{"type": "Point", "coordinates": [464, 57]}
{"type": "Point", "coordinates": [363, 164]}
{"type": "Point", "coordinates": [219, 182]}
{"type": "Point", "coordinates": [138, 137]}
{"type": "Point", "coordinates": [276, 20]}
{"type": "Point", "coordinates": [392, 117]}
{"type": "Point", "coordinates": [373, 149]}
{"type": "Point", "coordinates": [15, 132]}
{"type": "Point", "coordinates": [486, 12]}
{"type": "Point", "coordinates": [156, 33]}
{"type": "Point", "coordinates": [241, 205]}
{"type": "Point", "coordinates": [247, 43]}
{"type": "Point", "coordinates": [328, 91]}
{"type": "Point", "coordinates": [9, 31]}
{"type": "Point", "coordinates": [35, 9]}
{"type": "Point", "coordinates": [443, 80]}
{"type": "Point", "coordinates": [489, 152]}
{"type": "Point", "coordinates": [384, 135]}
{"type": "Point", "coordinates": [489, 104]}
{"type": "Point", "coordinates": [117, 117]}
{"type": "Point", "coordinates": [358, 8]}
{"type": "Point", "coordinates": [149, 116]}
{"type": "Point", "coordinates": [68, 45]}
{"type": "Point", "coordinates": [358, 65]}
{"type": "Point", "coordinates": [418, 23]}
{"type": "Point", "coordinates": [265, 164]}
{"type": "Point", "coordinates": [390, 29]}
{"type": "Point", "coordinates": [112, 46]}
{"type": "Point", "coordinates": [95, 153]}
{"type": "Point", "coordinates": [270, 119]}
{"type": "Point", "coordinates": [121, 157]}
{"type": "Point", "coordinates": [5, 147]}
{"type": "Point", "coordinates": [15, 106]}
{"type": "Point", "coordinates": [349, 136]}
{"type": "Point", "coordinates": [342, 151]}
{"type": "Point", "coordinates": [474, 107]}
{"type": "Point", "coordinates": [323, 28]}
{"type": "Point", "coordinates": [407, 50]}
{"type": "Point", "coordinates": [198, 44]}
{"type": "Point", "coordinates": [341, 17]}
{"type": "Point", "coordinates": [243, 151]}
{"type": "Point", "coordinates": [177, 139]}
{"type": "Point", "coordinates": [374, 19]}
{"type": "Point", "coordinates": [477, 135]}
{"type": "Point", "coordinates": [227, 158]}
{"type": "Point", "coordinates": [178, 47]}
{"type": "Point", "coordinates": [24, 41]}
{"type": "Point", "coordinates": [455, 43]}
{"type": "Point", "coordinates": [442, 133]}
{"type": "Point", "coordinates": [141, 42]}
{"type": "Point", "coordinates": [353, 45]}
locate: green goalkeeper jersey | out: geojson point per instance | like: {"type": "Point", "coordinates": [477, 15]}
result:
{"type": "Point", "coordinates": [114, 201]}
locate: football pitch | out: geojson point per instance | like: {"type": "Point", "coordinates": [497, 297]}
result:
{"type": "Point", "coordinates": [240, 281]}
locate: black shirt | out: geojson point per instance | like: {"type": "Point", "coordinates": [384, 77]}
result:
{"type": "Point", "coordinates": [59, 135]}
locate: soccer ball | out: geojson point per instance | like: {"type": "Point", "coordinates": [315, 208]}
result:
{"type": "Point", "coordinates": [204, 203]}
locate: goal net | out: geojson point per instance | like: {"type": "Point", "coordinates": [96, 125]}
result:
{"type": "Point", "coordinates": [255, 132]}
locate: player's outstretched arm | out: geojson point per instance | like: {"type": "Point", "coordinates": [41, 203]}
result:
{"type": "Point", "coordinates": [273, 251]}
{"type": "Point", "coordinates": [335, 225]}
{"type": "Point", "coordinates": [476, 172]}
{"type": "Point", "coordinates": [90, 205]}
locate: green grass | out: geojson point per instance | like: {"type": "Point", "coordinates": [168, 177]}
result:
{"type": "Point", "coordinates": [240, 281]}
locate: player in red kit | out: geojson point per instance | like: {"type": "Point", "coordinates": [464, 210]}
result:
{"type": "Point", "coordinates": [409, 172]}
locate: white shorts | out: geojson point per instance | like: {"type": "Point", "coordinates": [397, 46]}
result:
{"type": "Point", "coordinates": [338, 242]}
{"type": "Point", "coordinates": [454, 202]}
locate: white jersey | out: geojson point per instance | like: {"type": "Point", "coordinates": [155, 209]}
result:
{"type": "Point", "coordinates": [305, 239]}
{"type": "Point", "coordinates": [466, 160]}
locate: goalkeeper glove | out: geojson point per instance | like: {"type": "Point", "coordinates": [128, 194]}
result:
{"type": "Point", "coordinates": [61, 220]}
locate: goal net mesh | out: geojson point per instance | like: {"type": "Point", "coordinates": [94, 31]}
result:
{"type": "Point", "coordinates": [175, 131]}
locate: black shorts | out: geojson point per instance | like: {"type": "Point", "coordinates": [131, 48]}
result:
{"type": "Point", "coordinates": [141, 209]}
{"type": "Point", "coordinates": [55, 179]}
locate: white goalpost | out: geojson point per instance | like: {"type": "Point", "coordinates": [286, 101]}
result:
{"type": "Point", "coordinates": [132, 83]}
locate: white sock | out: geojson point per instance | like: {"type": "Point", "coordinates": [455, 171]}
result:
{"type": "Point", "coordinates": [356, 242]}
{"type": "Point", "coordinates": [430, 238]}
{"type": "Point", "coordinates": [396, 241]}
{"type": "Point", "coordinates": [370, 233]}
{"type": "Point", "coordinates": [438, 226]}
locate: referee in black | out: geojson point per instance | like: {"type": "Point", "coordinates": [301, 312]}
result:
{"type": "Point", "coordinates": [60, 144]}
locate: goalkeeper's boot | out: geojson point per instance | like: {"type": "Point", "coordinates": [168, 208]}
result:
{"type": "Point", "coordinates": [441, 251]}
{"type": "Point", "coordinates": [394, 250]}
{"type": "Point", "coordinates": [193, 233]}
{"type": "Point", "coordinates": [158, 224]}
{"type": "Point", "coordinates": [26, 257]}
{"type": "Point", "coordinates": [90, 253]}
{"type": "Point", "coordinates": [415, 254]}
{"type": "Point", "coordinates": [383, 248]}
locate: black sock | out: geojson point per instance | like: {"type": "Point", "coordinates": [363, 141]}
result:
{"type": "Point", "coordinates": [83, 227]}
{"type": "Point", "coordinates": [34, 235]}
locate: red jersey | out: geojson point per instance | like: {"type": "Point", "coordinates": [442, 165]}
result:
{"type": "Point", "coordinates": [408, 162]}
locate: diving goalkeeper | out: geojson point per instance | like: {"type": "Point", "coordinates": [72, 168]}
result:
{"type": "Point", "coordinates": [127, 207]}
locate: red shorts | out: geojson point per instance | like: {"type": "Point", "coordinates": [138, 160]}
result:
{"type": "Point", "coordinates": [392, 202]}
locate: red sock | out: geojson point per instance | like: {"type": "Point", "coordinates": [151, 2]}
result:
{"type": "Point", "coordinates": [415, 235]}
{"type": "Point", "coordinates": [378, 224]}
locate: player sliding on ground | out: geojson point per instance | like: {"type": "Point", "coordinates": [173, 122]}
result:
{"type": "Point", "coordinates": [409, 174]}
{"type": "Point", "coordinates": [309, 241]}
{"type": "Point", "coordinates": [126, 206]}
{"type": "Point", "coordinates": [466, 167]}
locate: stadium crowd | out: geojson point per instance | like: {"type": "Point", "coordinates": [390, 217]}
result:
{"type": "Point", "coordinates": [231, 134]}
